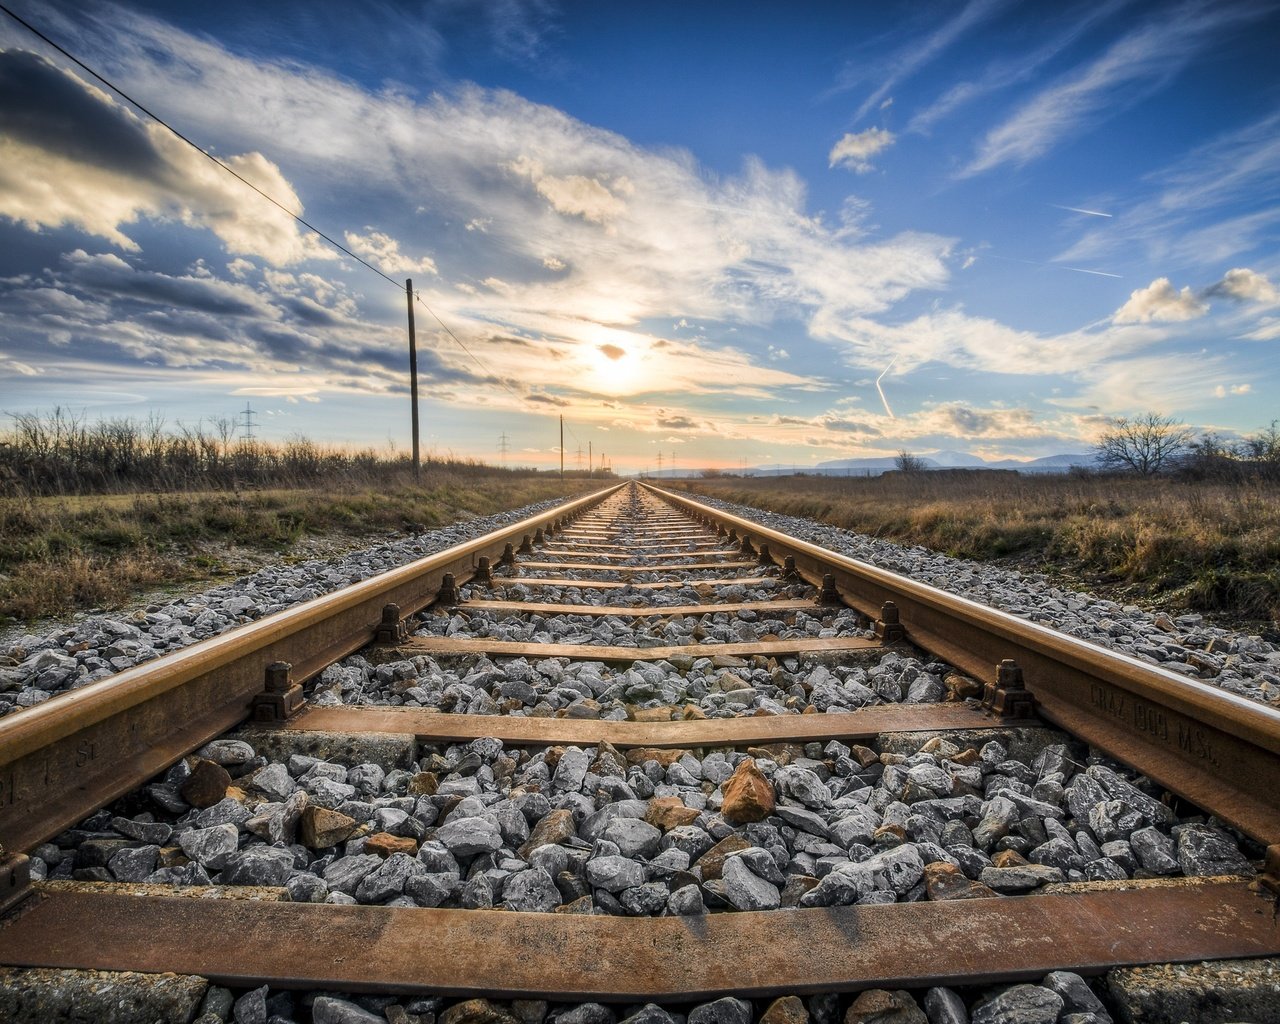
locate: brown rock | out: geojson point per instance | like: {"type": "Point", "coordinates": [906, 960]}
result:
{"type": "Point", "coordinates": [584, 709]}
{"type": "Point", "coordinates": [945, 881]}
{"type": "Point", "coordinates": [582, 905]}
{"type": "Point", "coordinates": [666, 758]}
{"type": "Point", "coordinates": [786, 1010]}
{"type": "Point", "coordinates": [693, 713]}
{"type": "Point", "coordinates": [961, 687]}
{"type": "Point", "coordinates": [424, 784]}
{"type": "Point", "coordinates": [608, 761]}
{"type": "Point", "coordinates": [863, 755]}
{"type": "Point", "coordinates": [1008, 859]}
{"type": "Point", "coordinates": [967, 757]}
{"type": "Point", "coordinates": [320, 828]}
{"type": "Point", "coordinates": [553, 828]}
{"type": "Point", "coordinates": [889, 835]}
{"type": "Point", "coordinates": [476, 1011]}
{"type": "Point", "coordinates": [809, 709]}
{"type": "Point", "coordinates": [797, 886]}
{"type": "Point", "coordinates": [667, 812]}
{"type": "Point", "coordinates": [712, 862]}
{"type": "Point", "coordinates": [206, 785]}
{"type": "Point", "coordinates": [447, 808]}
{"type": "Point", "coordinates": [880, 1006]}
{"type": "Point", "coordinates": [171, 857]}
{"type": "Point", "coordinates": [661, 714]}
{"type": "Point", "coordinates": [384, 844]}
{"type": "Point", "coordinates": [748, 795]}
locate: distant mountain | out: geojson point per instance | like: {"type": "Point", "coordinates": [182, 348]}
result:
{"type": "Point", "coordinates": [955, 460]}
{"type": "Point", "coordinates": [946, 459]}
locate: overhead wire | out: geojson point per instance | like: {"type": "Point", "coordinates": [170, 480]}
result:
{"type": "Point", "coordinates": [417, 297]}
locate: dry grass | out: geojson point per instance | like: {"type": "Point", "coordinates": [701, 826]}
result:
{"type": "Point", "coordinates": [59, 555]}
{"type": "Point", "coordinates": [1201, 545]}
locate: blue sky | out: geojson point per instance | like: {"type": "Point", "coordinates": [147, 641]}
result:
{"type": "Point", "coordinates": [729, 233]}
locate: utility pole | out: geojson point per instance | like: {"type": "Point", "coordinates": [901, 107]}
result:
{"type": "Point", "coordinates": [503, 446]}
{"type": "Point", "coordinates": [248, 422]}
{"type": "Point", "coordinates": [562, 447]}
{"type": "Point", "coordinates": [413, 378]}
{"type": "Point", "coordinates": [578, 458]}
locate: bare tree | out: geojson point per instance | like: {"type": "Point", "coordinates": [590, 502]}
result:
{"type": "Point", "coordinates": [1145, 444]}
{"type": "Point", "coordinates": [1263, 446]}
{"type": "Point", "coordinates": [905, 462]}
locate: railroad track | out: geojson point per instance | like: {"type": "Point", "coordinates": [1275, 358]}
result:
{"type": "Point", "coordinates": [716, 763]}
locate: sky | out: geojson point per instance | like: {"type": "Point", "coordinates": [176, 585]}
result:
{"type": "Point", "coordinates": [711, 234]}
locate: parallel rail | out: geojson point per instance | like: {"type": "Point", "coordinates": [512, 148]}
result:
{"type": "Point", "coordinates": [62, 760]}
{"type": "Point", "coordinates": [1214, 748]}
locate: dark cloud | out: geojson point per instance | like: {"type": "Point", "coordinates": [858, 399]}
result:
{"type": "Point", "coordinates": [46, 108]}
{"type": "Point", "coordinates": [110, 277]}
{"type": "Point", "coordinates": [678, 423]}
{"type": "Point", "coordinates": [613, 351]}
{"type": "Point", "coordinates": [546, 399]}
{"type": "Point", "coordinates": [850, 426]}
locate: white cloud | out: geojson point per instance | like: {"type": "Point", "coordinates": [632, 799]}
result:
{"type": "Point", "coordinates": [1160, 301]}
{"type": "Point", "coordinates": [383, 252]}
{"type": "Point", "coordinates": [1242, 283]}
{"type": "Point", "coordinates": [111, 170]}
{"type": "Point", "coordinates": [1135, 66]}
{"type": "Point", "coordinates": [854, 151]}
{"type": "Point", "coordinates": [1222, 390]}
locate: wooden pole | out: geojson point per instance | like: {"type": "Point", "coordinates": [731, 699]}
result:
{"type": "Point", "coordinates": [413, 378]}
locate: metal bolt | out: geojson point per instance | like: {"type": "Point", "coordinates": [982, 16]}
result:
{"type": "Point", "coordinates": [280, 673]}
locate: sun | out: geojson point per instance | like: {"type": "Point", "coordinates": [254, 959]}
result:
{"type": "Point", "coordinates": [610, 368]}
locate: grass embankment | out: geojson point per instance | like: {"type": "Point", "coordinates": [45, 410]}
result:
{"type": "Point", "coordinates": [1204, 546]}
{"type": "Point", "coordinates": [61, 554]}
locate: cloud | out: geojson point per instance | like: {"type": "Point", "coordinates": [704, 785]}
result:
{"type": "Point", "coordinates": [613, 352]}
{"type": "Point", "coordinates": [854, 151]}
{"type": "Point", "coordinates": [112, 169]}
{"type": "Point", "coordinates": [383, 252]}
{"type": "Point", "coordinates": [576, 194]}
{"type": "Point", "coordinates": [1135, 66]}
{"type": "Point", "coordinates": [1222, 391]}
{"type": "Point", "coordinates": [1187, 212]}
{"type": "Point", "coordinates": [906, 61]}
{"type": "Point", "coordinates": [1160, 301]}
{"type": "Point", "coordinates": [1245, 285]}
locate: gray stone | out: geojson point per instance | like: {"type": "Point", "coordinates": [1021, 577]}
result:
{"type": "Point", "coordinates": [1205, 850]}
{"type": "Point", "coordinates": [387, 750]}
{"type": "Point", "coordinates": [803, 785]}
{"type": "Point", "coordinates": [227, 752]}
{"type": "Point", "coordinates": [151, 832]}
{"type": "Point", "coordinates": [1223, 990]}
{"type": "Point", "coordinates": [571, 770]}
{"type": "Point", "coordinates": [388, 880]}
{"type": "Point", "coordinates": [1019, 877]}
{"type": "Point", "coordinates": [615, 873]}
{"type": "Point", "coordinates": [465, 837]}
{"type": "Point", "coordinates": [942, 1006]}
{"type": "Point", "coordinates": [746, 890]}
{"type": "Point", "coordinates": [633, 837]}
{"type": "Point", "coordinates": [531, 890]}
{"type": "Point", "coordinates": [346, 873]}
{"type": "Point", "coordinates": [585, 1013]}
{"type": "Point", "coordinates": [644, 900]}
{"type": "Point", "coordinates": [133, 864]}
{"type": "Point", "coordinates": [806, 821]}
{"type": "Point", "coordinates": [650, 1013]}
{"type": "Point", "coordinates": [1077, 996]}
{"type": "Point", "coordinates": [38, 995]}
{"type": "Point", "coordinates": [723, 1011]}
{"type": "Point", "coordinates": [1021, 1004]}
{"type": "Point", "coordinates": [1155, 851]}
{"type": "Point", "coordinates": [331, 1010]}
{"type": "Point", "coordinates": [686, 902]}
{"type": "Point", "coordinates": [251, 1008]}
{"type": "Point", "coordinates": [210, 847]}
{"type": "Point", "coordinates": [257, 865]}
{"type": "Point", "coordinates": [307, 888]}
{"type": "Point", "coordinates": [274, 782]}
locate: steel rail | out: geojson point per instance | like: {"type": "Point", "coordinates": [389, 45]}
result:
{"type": "Point", "coordinates": [1218, 750]}
{"type": "Point", "coordinates": [63, 759]}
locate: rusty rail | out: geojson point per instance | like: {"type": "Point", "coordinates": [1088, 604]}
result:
{"type": "Point", "coordinates": [68, 756]}
{"type": "Point", "coordinates": [1213, 748]}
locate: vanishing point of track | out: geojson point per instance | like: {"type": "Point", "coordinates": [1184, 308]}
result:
{"type": "Point", "coordinates": [63, 760]}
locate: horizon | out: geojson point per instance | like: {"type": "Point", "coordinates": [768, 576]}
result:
{"type": "Point", "coordinates": [760, 237]}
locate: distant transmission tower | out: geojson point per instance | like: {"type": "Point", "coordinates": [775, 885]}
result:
{"type": "Point", "coordinates": [249, 423]}
{"type": "Point", "coordinates": [659, 463]}
{"type": "Point", "coordinates": [579, 456]}
{"type": "Point", "coordinates": [503, 446]}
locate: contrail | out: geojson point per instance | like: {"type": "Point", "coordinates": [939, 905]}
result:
{"type": "Point", "coordinates": [1041, 263]}
{"type": "Point", "coordinates": [881, 390]}
{"type": "Point", "coordinates": [1077, 209]}
{"type": "Point", "coordinates": [1081, 270]}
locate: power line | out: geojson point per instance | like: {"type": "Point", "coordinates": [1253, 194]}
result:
{"type": "Point", "coordinates": [241, 178]}
{"type": "Point", "coordinates": [249, 424]}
